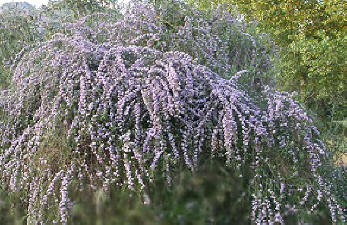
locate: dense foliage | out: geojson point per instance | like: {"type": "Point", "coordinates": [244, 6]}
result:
{"type": "Point", "coordinates": [311, 37]}
{"type": "Point", "coordinates": [126, 101]}
{"type": "Point", "coordinates": [17, 30]}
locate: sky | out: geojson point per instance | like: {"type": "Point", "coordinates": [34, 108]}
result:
{"type": "Point", "coordinates": [36, 3]}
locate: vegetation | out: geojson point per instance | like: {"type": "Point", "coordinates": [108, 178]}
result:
{"type": "Point", "coordinates": [311, 38]}
{"type": "Point", "coordinates": [162, 113]}
{"type": "Point", "coordinates": [16, 31]}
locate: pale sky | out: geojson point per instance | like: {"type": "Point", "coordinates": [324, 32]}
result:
{"type": "Point", "coordinates": [36, 3]}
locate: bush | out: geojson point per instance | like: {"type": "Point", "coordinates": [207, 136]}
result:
{"type": "Point", "coordinates": [124, 102]}
{"type": "Point", "coordinates": [21, 30]}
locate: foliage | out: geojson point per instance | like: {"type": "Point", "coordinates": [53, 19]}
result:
{"type": "Point", "coordinates": [127, 103]}
{"type": "Point", "coordinates": [198, 199]}
{"type": "Point", "coordinates": [17, 31]}
{"type": "Point", "coordinates": [12, 211]}
{"type": "Point", "coordinates": [80, 8]}
{"type": "Point", "coordinates": [311, 36]}
{"type": "Point", "coordinates": [21, 30]}
{"type": "Point", "coordinates": [122, 102]}
{"type": "Point", "coordinates": [202, 198]}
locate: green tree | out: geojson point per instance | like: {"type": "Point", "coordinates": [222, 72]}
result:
{"type": "Point", "coordinates": [311, 38]}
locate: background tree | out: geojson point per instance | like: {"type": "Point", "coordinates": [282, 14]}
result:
{"type": "Point", "coordinates": [311, 38]}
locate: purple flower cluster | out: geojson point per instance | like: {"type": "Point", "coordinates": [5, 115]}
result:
{"type": "Point", "coordinates": [129, 111]}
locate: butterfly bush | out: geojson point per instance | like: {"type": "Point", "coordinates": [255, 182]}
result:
{"type": "Point", "coordinates": [216, 39]}
{"type": "Point", "coordinates": [123, 102]}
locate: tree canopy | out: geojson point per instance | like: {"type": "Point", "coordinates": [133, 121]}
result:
{"type": "Point", "coordinates": [311, 37]}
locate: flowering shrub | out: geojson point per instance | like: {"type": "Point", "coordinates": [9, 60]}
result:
{"type": "Point", "coordinates": [120, 102]}
{"type": "Point", "coordinates": [22, 27]}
